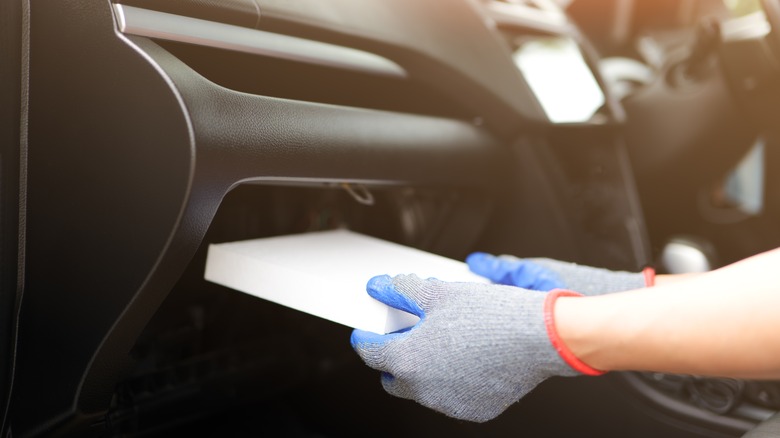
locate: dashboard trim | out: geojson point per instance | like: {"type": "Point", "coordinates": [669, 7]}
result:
{"type": "Point", "coordinates": [162, 25]}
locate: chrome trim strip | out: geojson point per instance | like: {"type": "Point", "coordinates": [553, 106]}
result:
{"type": "Point", "coordinates": [165, 26]}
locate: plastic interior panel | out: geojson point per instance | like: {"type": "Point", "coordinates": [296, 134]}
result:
{"type": "Point", "coordinates": [134, 159]}
{"type": "Point", "coordinates": [12, 173]}
{"type": "Point", "coordinates": [244, 13]}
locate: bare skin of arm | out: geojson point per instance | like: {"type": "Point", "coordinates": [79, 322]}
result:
{"type": "Point", "coordinates": [661, 280]}
{"type": "Point", "coordinates": [722, 323]}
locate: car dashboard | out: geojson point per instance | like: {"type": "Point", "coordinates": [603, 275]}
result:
{"type": "Point", "coordinates": [159, 127]}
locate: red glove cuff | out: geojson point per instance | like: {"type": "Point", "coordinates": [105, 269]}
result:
{"type": "Point", "coordinates": [549, 322]}
{"type": "Point", "coordinates": [649, 273]}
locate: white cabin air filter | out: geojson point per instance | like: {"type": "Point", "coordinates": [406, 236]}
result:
{"type": "Point", "coordinates": [325, 274]}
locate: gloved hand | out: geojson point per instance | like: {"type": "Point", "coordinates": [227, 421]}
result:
{"type": "Point", "coordinates": [477, 349]}
{"type": "Point", "coordinates": [547, 274]}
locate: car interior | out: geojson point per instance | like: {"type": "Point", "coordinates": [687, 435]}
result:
{"type": "Point", "coordinates": [135, 133]}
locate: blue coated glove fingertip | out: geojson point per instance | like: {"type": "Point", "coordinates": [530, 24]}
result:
{"type": "Point", "coordinates": [477, 257]}
{"type": "Point", "coordinates": [493, 268]}
{"type": "Point", "coordinates": [383, 289]}
{"type": "Point", "coordinates": [354, 338]}
{"type": "Point", "coordinates": [362, 337]}
{"type": "Point", "coordinates": [481, 263]}
{"type": "Point", "coordinates": [379, 283]}
{"type": "Point", "coordinates": [533, 276]}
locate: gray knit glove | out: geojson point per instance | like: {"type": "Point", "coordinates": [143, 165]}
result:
{"type": "Point", "coordinates": [547, 274]}
{"type": "Point", "coordinates": [476, 350]}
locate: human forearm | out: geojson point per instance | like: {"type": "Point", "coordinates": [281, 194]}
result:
{"type": "Point", "coordinates": [666, 279]}
{"type": "Point", "coordinates": [721, 323]}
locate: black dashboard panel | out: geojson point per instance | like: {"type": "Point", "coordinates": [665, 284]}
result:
{"type": "Point", "coordinates": [244, 13]}
{"type": "Point", "coordinates": [447, 46]}
{"type": "Point", "coordinates": [12, 174]}
{"type": "Point", "coordinates": [242, 137]}
{"type": "Point", "coordinates": [132, 152]}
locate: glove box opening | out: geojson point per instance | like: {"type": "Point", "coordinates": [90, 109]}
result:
{"type": "Point", "coordinates": [216, 358]}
